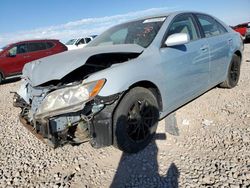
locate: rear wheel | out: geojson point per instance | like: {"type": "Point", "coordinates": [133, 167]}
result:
{"type": "Point", "coordinates": [233, 73]}
{"type": "Point", "coordinates": [135, 120]}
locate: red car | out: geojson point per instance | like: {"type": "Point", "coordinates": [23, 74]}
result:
{"type": "Point", "coordinates": [14, 56]}
{"type": "Point", "coordinates": [241, 28]}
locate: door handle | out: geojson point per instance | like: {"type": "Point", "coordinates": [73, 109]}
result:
{"type": "Point", "coordinates": [230, 42]}
{"type": "Point", "coordinates": [204, 48]}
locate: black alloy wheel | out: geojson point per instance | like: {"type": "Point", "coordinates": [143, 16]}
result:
{"type": "Point", "coordinates": [233, 73]}
{"type": "Point", "coordinates": [139, 121]}
{"type": "Point", "coordinates": [135, 120]}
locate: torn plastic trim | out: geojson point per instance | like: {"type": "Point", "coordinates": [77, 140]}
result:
{"type": "Point", "coordinates": [55, 131]}
{"type": "Point", "coordinates": [101, 129]}
{"type": "Point", "coordinates": [98, 115]}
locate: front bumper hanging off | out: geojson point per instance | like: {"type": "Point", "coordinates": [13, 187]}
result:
{"type": "Point", "coordinates": [31, 129]}
{"type": "Point", "coordinates": [99, 127]}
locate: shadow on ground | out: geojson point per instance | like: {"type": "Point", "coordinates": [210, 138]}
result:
{"type": "Point", "coordinates": [10, 80]}
{"type": "Point", "coordinates": [142, 170]}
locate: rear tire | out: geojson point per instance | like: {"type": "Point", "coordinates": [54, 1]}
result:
{"type": "Point", "coordinates": [135, 120]}
{"type": "Point", "coordinates": [233, 73]}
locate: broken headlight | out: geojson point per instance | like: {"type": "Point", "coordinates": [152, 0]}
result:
{"type": "Point", "coordinates": [68, 99]}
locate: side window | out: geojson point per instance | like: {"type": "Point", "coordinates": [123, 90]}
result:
{"type": "Point", "coordinates": [80, 42]}
{"type": "Point", "coordinates": [13, 51]}
{"type": "Point", "coordinates": [36, 46]}
{"type": "Point", "coordinates": [87, 40]}
{"type": "Point", "coordinates": [183, 24]}
{"type": "Point", "coordinates": [221, 28]}
{"type": "Point", "coordinates": [22, 48]}
{"type": "Point", "coordinates": [210, 26]}
{"type": "Point", "coordinates": [49, 45]}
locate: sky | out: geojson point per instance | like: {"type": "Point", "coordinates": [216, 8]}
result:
{"type": "Point", "coordinates": [64, 19]}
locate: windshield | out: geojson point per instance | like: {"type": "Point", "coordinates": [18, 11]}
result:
{"type": "Point", "coordinates": [140, 32]}
{"type": "Point", "coordinates": [71, 42]}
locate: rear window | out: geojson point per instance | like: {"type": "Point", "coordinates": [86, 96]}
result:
{"type": "Point", "coordinates": [49, 44]}
{"type": "Point", "coordinates": [36, 46]}
{"type": "Point", "coordinates": [87, 40]}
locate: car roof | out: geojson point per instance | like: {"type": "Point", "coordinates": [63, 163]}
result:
{"type": "Point", "coordinates": [166, 14]}
{"type": "Point", "coordinates": [33, 40]}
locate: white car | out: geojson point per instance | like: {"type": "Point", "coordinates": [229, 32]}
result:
{"type": "Point", "coordinates": [73, 44]}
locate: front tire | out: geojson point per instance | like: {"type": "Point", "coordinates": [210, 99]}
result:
{"type": "Point", "coordinates": [233, 73]}
{"type": "Point", "coordinates": [135, 120]}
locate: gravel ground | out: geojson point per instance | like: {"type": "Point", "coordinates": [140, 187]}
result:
{"type": "Point", "coordinates": [212, 149]}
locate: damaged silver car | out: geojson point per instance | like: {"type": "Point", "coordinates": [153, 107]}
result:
{"type": "Point", "coordinates": [114, 91]}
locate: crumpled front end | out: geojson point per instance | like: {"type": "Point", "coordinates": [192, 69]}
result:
{"type": "Point", "coordinates": [59, 101]}
{"type": "Point", "coordinates": [72, 113]}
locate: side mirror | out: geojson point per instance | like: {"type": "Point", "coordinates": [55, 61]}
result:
{"type": "Point", "coordinates": [177, 39]}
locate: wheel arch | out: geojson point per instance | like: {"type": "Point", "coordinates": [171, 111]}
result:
{"type": "Point", "coordinates": [152, 87]}
{"type": "Point", "coordinates": [238, 53]}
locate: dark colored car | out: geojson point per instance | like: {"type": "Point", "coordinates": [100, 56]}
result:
{"type": "Point", "coordinates": [14, 56]}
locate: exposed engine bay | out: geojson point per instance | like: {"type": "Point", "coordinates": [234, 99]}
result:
{"type": "Point", "coordinates": [81, 115]}
{"type": "Point", "coordinates": [94, 64]}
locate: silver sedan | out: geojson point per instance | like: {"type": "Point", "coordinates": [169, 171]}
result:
{"type": "Point", "coordinates": [114, 91]}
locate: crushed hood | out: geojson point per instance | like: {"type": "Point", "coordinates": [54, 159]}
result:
{"type": "Point", "coordinates": [57, 66]}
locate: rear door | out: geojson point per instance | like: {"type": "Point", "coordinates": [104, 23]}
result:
{"type": "Point", "coordinates": [37, 50]}
{"type": "Point", "coordinates": [219, 41]}
{"type": "Point", "coordinates": [186, 66]}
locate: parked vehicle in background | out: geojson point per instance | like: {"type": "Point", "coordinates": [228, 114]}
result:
{"type": "Point", "coordinates": [247, 36]}
{"type": "Point", "coordinates": [73, 44]}
{"type": "Point", "coordinates": [241, 28]}
{"type": "Point", "coordinates": [114, 91]}
{"type": "Point", "coordinates": [14, 56]}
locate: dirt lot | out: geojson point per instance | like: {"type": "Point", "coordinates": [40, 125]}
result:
{"type": "Point", "coordinates": [212, 149]}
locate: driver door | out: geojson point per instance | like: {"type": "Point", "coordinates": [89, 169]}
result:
{"type": "Point", "coordinates": [16, 59]}
{"type": "Point", "coordinates": [186, 67]}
